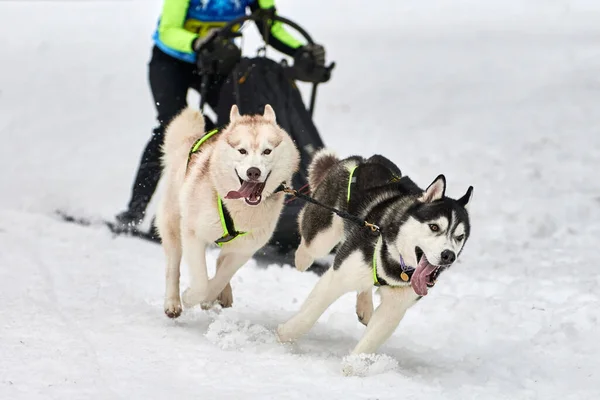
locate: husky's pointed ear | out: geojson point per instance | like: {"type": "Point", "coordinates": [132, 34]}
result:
{"type": "Point", "coordinates": [435, 191]}
{"type": "Point", "coordinates": [269, 113]}
{"type": "Point", "coordinates": [466, 199]}
{"type": "Point", "coordinates": [234, 114]}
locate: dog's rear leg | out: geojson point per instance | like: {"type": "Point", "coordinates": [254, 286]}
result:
{"type": "Point", "coordinates": [219, 287]}
{"type": "Point", "coordinates": [364, 306]}
{"type": "Point", "coordinates": [327, 290]}
{"type": "Point", "coordinates": [195, 256]}
{"type": "Point", "coordinates": [225, 298]}
{"type": "Point", "coordinates": [171, 243]}
{"type": "Point", "coordinates": [394, 303]}
{"type": "Point", "coordinates": [320, 245]}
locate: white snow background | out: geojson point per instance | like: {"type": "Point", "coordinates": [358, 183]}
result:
{"type": "Point", "coordinates": [503, 95]}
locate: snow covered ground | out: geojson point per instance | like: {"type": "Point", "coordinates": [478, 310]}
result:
{"type": "Point", "coordinates": [502, 95]}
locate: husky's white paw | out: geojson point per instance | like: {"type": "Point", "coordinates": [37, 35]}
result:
{"type": "Point", "coordinates": [225, 298]}
{"type": "Point", "coordinates": [302, 259]}
{"type": "Point", "coordinates": [347, 369]}
{"type": "Point", "coordinates": [207, 305]}
{"type": "Point", "coordinates": [173, 307]}
{"type": "Point", "coordinates": [368, 364]}
{"type": "Point", "coordinates": [192, 297]}
{"type": "Point", "coordinates": [283, 334]}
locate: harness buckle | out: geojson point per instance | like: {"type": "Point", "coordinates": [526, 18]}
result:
{"type": "Point", "coordinates": [374, 228]}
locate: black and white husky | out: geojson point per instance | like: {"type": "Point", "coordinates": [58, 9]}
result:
{"type": "Point", "coordinates": [422, 232]}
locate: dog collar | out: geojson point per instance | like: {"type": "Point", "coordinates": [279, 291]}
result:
{"type": "Point", "coordinates": [405, 275]}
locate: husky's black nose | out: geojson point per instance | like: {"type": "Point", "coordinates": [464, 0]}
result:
{"type": "Point", "coordinates": [253, 173]}
{"type": "Point", "coordinates": [448, 256]}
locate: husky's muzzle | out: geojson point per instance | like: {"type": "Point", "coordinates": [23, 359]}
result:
{"type": "Point", "coordinates": [426, 274]}
{"type": "Point", "coordinates": [251, 189]}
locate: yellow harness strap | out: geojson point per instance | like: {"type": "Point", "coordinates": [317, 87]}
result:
{"type": "Point", "coordinates": [375, 280]}
{"type": "Point", "coordinates": [200, 142]}
{"type": "Point", "coordinates": [229, 231]}
{"type": "Point", "coordinates": [350, 178]}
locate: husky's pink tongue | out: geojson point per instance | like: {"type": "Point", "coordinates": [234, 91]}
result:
{"type": "Point", "coordinates": [247, 190]}
{"type": "Point", "coordinates": [420, 277]}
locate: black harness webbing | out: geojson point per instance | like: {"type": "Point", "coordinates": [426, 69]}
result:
{"type": "Point", "coordinates": [342, 214]}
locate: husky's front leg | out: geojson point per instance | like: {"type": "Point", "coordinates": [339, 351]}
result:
{"type": "Point", "coordinates": [394, 303]}
{"type": "Point", "coordinates": [219, 287]}
{"type": "Point", "coordinates": [171, 243]}
{"type": "Point", "coordinates": [194, 252]}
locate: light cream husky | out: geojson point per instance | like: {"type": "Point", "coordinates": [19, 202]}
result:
{"type": "Point", "coordinates": [215, 188]}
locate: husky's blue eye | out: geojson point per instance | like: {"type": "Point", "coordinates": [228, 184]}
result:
{"type": "Point", "coordinates": [460, 238]}
{"type": "Point", "coordinates": [267, 152]}
{"type": "Point", "coordinates": [242, 151]}
{"type": "Point", "coordinates": [434, 227]}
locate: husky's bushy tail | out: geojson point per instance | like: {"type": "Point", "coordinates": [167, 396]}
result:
{"type": "Point", "coordinates": [180, 135]}
{"type": "Point", "coordinates": [323, 160]}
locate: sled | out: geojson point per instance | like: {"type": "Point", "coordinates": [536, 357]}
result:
{"type": "Point", "coordinates": [253, 83]}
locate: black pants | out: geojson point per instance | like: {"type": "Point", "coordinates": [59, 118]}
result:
{"type": "Point", "coordinates": [170, 79]}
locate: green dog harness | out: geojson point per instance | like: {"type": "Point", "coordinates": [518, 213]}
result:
{"type": "Point", "coordinates": [196, 146]}
{"type": "Point", "coordinates": [229, 231]}
{"type": "Point", "coordinates": [404, 276]}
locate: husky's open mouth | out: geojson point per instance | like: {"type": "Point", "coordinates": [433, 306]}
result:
{"type": "Point", "coordinates": [425, 274]}
{"type": "Point", "coordinates": [251, 191]}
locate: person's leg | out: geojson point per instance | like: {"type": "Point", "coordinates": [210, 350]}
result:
{"type": "Point", "coordinates": [169, 80]}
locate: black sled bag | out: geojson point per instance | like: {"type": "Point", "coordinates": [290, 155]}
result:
{"type": "Point", "coordinates": [252, 84]}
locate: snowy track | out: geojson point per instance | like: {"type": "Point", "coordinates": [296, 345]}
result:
{"type": "Point", "coordinates": [503, 98]}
